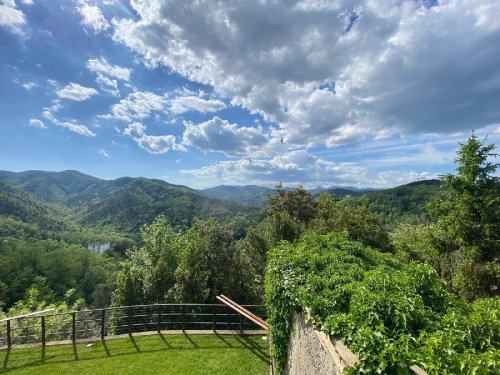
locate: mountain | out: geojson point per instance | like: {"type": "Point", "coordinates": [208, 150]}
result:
{"type": "Point", "coordinates": [401, 204]}
{"type": "Point", "coordinates": [139, 201]}
{"type": "Point", "coordinates": [22, 207]}
{"type": "Point", "coordinates": [57, 187]}
{"type": "Point", "coordinates": [249, 194]}
{"type": "Point", "coordinates": [124, 204]}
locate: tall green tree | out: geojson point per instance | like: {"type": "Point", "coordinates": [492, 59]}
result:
{"type": "Point", "coordinates": [467, 221]}
{"type": "Point", "coordinates": [147, 275]}
{"type": "Point", "coordinates": [207, 264]}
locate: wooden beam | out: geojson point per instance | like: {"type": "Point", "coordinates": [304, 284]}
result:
{"type": "Point", "coordinates": [242, 311]}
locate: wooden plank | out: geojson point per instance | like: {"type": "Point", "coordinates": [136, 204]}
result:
{"type": "Point", "coordinates": [9, 341]}
{"type": "Point", "coordinates": [43, 330]}
{"type": "Point", "coordinates": [103, 322]}
{"type": "Point", "coordinates": [246, 313]}
{"type": "Point", "coordinates": [243, 311]}
{"type": "Point", "coordinates": [73, 327]}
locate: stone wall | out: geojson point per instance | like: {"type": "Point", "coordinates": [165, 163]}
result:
{"type": "Point", "coordinates": [312, 352]}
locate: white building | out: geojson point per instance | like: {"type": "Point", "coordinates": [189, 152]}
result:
{"type": "Point", "coordinates": [99, 247]}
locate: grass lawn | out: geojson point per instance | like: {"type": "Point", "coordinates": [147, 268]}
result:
{"type": "Point", "coordinates": [155, 354]}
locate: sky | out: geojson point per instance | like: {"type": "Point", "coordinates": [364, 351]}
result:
{"type": "Point", "coordinates": [367, 93]}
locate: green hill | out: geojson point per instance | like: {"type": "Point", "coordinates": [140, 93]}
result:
{"type": "Point", "coordinates": [139, 201]}
{"type": "Point", "coordinates": [21, 207]}
{"type": "Point", "coordinates": [122, 205]}
{"type": "Point", "coordinates": [401, 204]}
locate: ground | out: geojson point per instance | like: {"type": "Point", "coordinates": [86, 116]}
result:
{"type": "Point", "coordinates": [156, 354]}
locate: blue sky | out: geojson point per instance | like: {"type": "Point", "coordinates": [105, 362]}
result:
{"type": "Point", "coordinates": [312, 92]}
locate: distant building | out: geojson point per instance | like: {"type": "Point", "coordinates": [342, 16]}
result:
{"type": "Point", "coordinates": [99, 247]}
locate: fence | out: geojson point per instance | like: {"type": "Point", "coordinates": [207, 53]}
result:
{"type": "Point", "coordinates": [99, 323]}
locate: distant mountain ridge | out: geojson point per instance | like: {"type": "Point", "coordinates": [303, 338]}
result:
{"type": "Point", "coordinates": [123, 204]}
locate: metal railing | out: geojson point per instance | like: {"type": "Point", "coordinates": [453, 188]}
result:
{"type": "Point", "coordinates": [99, 323]}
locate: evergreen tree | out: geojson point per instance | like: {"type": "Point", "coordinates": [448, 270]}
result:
{"type": "Point", "coordinates": [468, 221]}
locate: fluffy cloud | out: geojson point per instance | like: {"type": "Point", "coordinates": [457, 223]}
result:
{"type": "Point", "coordinates": [108, 75]}
{"type": "Point", "coordinates": [77, 92]}
{"type": "Point", "coordinates": [293, 168]}
{"type": "Point", "coordinates": [101, 66]}
{"type": "Point", "coordinates": [72, 125]}
{"type": "Point", "coordinates": [183, 104]}
{"type": "Point", "coordinates": [11, 17]}
{"type": "Point", "coordinates": [336, 75]}
{"type": "Point", "coordinates": [92, 17]}
{"type": "Point", "coordinates": [37, 123]}
{"type": "Point", "coordinates": [220, 135]}
{"type": "Point", "coordinates": [136, 106]}
{"type": "Point", "coordinates": [154, 144]}
{"type": "Point", "coordinates": [103, 153]}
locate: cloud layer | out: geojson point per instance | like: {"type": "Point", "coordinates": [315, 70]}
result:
{"type": "Point", "coordinates": [329, 73]}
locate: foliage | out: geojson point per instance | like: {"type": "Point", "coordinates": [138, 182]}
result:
{"type": "Point", "coordinates": [207, 265]}
{"type": "Point", "coordinates": [390, 314]}
{"type": "Point", "coordinates": [52, 268]}
{"type": "Point", "coordinates": [468, 221]}
{"type": "Point", "coordinates": [402, 204]}
{"type": "Point", "coordinates": [361, 225]}
{"type": "Point", "coordinates": [147, 275]}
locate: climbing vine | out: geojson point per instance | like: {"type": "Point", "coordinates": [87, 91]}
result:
{"type": "Point", "coordinates": [392, 315]}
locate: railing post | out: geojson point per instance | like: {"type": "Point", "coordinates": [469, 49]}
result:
{"type": "Point", "coordinates": [43, 330]}
{"type": "Point", "coordinates": [159, 319]}
{"type": "Point", "coordinates": [214, 326]}
{"type": "Point", "coordinates": [241, 324]}
{"type": "Point", "coordinates": [183, 318]}
{"type": "Point", "coordinates": [9, 342]}
{"type": "Point", "coordinates": [103, 322]}
{"type": "Point", "coordinates": [73, 327]}
{"type": "Point", "coordinates": [130, 321]}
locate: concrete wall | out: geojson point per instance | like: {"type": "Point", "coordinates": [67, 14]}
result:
{"type": "Point", "coordinates": [312, 352]}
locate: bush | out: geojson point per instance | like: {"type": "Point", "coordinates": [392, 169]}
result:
{"type": "Point", "coordinates": [392, 315]}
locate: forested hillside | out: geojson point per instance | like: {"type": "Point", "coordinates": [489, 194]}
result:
{"type": "Point", "coordinates": [122, 205]}
{"type": "Point", "coordinates": [401, 204]}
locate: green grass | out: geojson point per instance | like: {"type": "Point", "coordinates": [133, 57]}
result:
{"type": "Point", "coordinates": [156, 354]}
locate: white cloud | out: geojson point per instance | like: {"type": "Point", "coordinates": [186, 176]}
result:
{"type": "Point", "coordinates": [108, 75]}
{"type": "Point", "coordinates": [104, 153]}
{"type": "Point", "coordinates": [92, 17]}
{"type": "Point", "coordinates": [108, 85]}
{"type": "Point", "coordinates": [11, 17]}
{"type": "Point", "coordinates": [29, 85]}
{"type": "Point", "coordinates": [136, 106]}
{"type": "Point", "coordinates": [154, 144]}
{"type": "Point", "coordinates": [70, 124]}
{"type": "Point", "coordinates": [293, 168]}
{"type": "Point", "coordinates": [76, 128]}
{"type": "Point", "coordinates": [101, 66]}
{"type": "Point", "coordinates": [37, 123]}
{"type": "Point", "coordinates": [77, 92]}
{"type": "Point", "coordinates": [337, 75]}
{"type": "Point", "coordinates": [220, 135]}
{"type": "Point", "coordinates": [183, 104]}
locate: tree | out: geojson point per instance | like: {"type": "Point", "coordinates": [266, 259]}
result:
{"type": "Point", "coordinates": [147, 275]}
{"type": "Point", "coordinates": [361, 225]}
{"type": "Point", "coordinates": [207, 264]}
{"type": "Point", "coordinates": [467, 221]}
